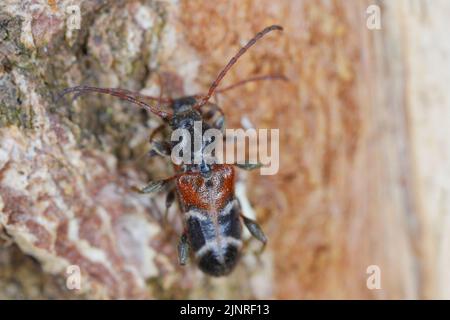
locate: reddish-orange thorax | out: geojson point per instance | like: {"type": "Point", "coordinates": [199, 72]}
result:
{"type": "Point", "coordinates": [210, 194]}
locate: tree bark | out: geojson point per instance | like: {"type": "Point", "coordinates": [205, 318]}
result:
{"type": "Point", "coordinates": [364, 146]}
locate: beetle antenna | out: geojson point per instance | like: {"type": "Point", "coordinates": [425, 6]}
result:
{"type": "Point", "coordinates": [123, 95]}
{"type": "Point", "coordinates": [233, 60]}
{"type": "Point", "coordinates": [253, 79]}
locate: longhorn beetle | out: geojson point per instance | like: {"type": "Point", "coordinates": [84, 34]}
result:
{"type": "Point", "coordinates": [205, 191]}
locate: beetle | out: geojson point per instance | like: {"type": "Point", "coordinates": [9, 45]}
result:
{"type": "Point", "coordinates": [205, 191]}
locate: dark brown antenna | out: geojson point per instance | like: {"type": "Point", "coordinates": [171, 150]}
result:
{"type": "Point", "coordinates": [233, 60]}
{"type": "Point", "coordinates": [252, 79]}
{"type": "Point", "coordinates": [123, 94]}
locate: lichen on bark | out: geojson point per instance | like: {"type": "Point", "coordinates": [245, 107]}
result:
{"type": "Point", "coordinates": [67, 169]}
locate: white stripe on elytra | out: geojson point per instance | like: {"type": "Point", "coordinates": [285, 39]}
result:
{"type": "Point", "coordinates": [195, 213]}
{"type": "Point", "coordinates": [212, 244]}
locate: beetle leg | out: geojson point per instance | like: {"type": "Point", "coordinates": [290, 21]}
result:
{"type": "Point", "coordinates": [170, 198]}
{"type": "Point", "coordinates": [157, 130]}
{"type": "Point", "coordinates": [249, 166]}
{"type": "Point", "coordinates": [156, 186]}
{"type": "Point", "coordinates": [183, 249]}
{"type": "Point", "coordinates": [160, 148]}
{"type": "Point", "coordinates": [252, 226]}
{"type": "Point", "coordinates": [153, 186]}
{"type": "Point", "coordinates": [255, 229]}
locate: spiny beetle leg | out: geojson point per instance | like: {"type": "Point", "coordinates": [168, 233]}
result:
{"type": "Point", "coordinates": [255, 229]}
{"type": "Point", "coordinates": [170, 198]}
{"type": "Point", "coordinates": [157, 130]}
{"type": "Point", "coordinates": [156, 186]}
{"type": "Point", "coordinates": [153, 186]}
{"type": "Point", "coordinates": [161, 148]}
{"type": "Point", "coordinates": [249, 166]}
{"type": "Point", "coordinates": [183, 249]}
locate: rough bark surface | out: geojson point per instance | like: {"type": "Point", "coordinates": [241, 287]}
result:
{"type": "Point", "coordinates": [354, 187]}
